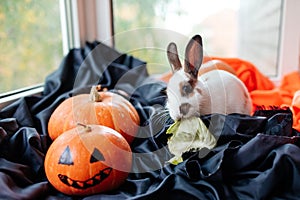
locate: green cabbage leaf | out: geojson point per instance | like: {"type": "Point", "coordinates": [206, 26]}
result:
{"type": "Point", "coordinates": [188, 135]}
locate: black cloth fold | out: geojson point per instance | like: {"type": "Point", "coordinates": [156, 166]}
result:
{"type": "Point", "coordinates": [256, 157]}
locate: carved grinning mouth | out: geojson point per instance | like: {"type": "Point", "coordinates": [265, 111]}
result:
{"type": "Point", "coordinates": [98, 178]}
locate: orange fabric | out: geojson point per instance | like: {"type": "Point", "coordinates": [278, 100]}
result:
{"type": "Point", "coordinates": [262, 90]}
{"type": "Point", "coordinates": [286, 95]}
{"type": "Point", "coordinates": [266, 98]}
{"type": "Point", "coordinates": [291, 83]}
{"type": "Point", "coordinates": [296, 110]}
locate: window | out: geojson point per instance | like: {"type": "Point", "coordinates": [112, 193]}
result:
{"type": "Point", "coordinates": [230, 28]}
{"type": "Point", "coordinates": [30, 42]}
{"type": "Point", "coordinates": [31, 39]}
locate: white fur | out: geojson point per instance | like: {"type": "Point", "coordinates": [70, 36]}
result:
{"type": "Point", "coordinates": [221, 92]}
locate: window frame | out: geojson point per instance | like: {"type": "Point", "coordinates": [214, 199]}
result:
{"type": "Point", "coordinates": [84, 21]}
{"type": "Point", "coordinates": [289, 49]}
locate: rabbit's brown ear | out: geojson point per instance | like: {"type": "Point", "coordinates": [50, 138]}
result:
{"type": "Point", "coordinates": [193, 56]}
{"type": "Point", "coordinates": [173, 57]}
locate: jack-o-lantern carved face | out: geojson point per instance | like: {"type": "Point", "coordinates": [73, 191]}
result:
{"type": "Point", "coordinates": [82, 162]}
{"type": "Point", "coordinates": [66, 159]}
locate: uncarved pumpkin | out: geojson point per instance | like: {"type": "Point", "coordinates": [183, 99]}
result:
{"type": "Point", "coordinates": [103, 108]}
{"type": "Point", "coordinates": [88, 160]}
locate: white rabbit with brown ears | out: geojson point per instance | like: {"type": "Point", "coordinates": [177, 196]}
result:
{"type": "Point", "coordinates": [216, 91]}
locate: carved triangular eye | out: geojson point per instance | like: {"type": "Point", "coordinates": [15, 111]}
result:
{"type": "Point", "coordinates": [96, 156]}
{"type": "Point", "coordinates": [66, 157]}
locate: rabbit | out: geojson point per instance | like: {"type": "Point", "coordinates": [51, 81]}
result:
{"type": "Point", "coordinates": [216, 91]}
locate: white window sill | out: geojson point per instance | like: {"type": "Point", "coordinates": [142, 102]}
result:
{"type": "Point", "coordinates": [9, 97]}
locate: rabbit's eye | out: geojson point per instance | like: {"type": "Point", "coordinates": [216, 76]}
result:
{"type": "Point", "coordinates": [186, 89]}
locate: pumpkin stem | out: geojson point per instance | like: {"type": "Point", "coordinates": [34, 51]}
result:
{"type": "Point", "coordinates": [86, 127]}
{"type": "Point", "coordinates": [99, 88]}
{"type": "Point", "coordinates": [94, 95]}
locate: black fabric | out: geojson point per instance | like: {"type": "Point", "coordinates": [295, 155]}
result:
{"type": "Point", "coordinates": [257, 157]}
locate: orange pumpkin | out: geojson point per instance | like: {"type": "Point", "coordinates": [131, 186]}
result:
{"type": "Point", "coordinates": [103, 108]}
{"type": "Point", "coordinates": [88, 160]}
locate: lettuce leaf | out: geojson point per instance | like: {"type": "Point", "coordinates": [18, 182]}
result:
{"type": "Point", "coordinates": [188, 135]}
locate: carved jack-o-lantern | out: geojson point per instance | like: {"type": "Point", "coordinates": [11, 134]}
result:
{"type": "Point", "coordinates": [87, 160]}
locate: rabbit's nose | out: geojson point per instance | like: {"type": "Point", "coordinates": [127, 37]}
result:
{"type": "Point", "coordinates": [184, 108]}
